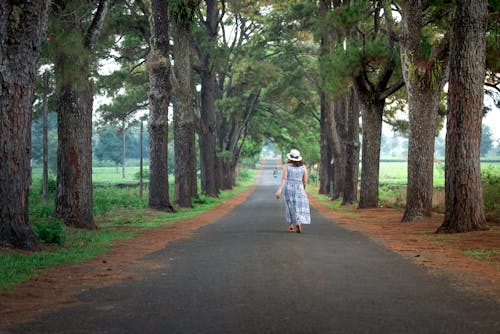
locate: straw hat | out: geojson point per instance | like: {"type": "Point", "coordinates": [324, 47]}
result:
{"type": "Point", "coordinates": [294, 155]}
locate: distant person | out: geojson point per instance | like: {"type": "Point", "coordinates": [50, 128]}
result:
{"type": "Point", "coordinates": [275, 171]}
{"type": "Point", "coordinates": [294, 180]}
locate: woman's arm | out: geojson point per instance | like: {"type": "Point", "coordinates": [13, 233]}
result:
{"type": "Point", "coordinates": [283, 180]}
{"type": "Point", "coordinates": [304, 177]}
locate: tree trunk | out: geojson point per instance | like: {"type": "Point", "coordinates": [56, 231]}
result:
{"type": "Point", "coordinates": [74, 151]}
{"type": "Point", "coordinates": [340, 115]}
{"type": "Point", "coordinates": [350, 195]}
{"type": "Point", "coordinates": [207, 137]}
{"type": "Point", "coordinates": [184, 138]}
{"type": "Point", "coordinates": [207, 133]}
{"type": "Point", "coordinates": [45, 107]}
{"type": "Point", "coordinates": [75, 94]}
{"type": "Point", "coordinates": [159, 97]}
{"type": "Point", "coordinates": [463, 197]}
{"type": "Point", "coordinates": [423, 108]}
{"type": "Point", "coordinates": [124, 151]}
{"type": "Point", "coordinates": [372, 130]}
{"type": "Point", "coordinates": [334, 141]}
{"type": "Point", "coordinates": [325, 149]}
{"type": "Point", "coordinates": [22, 29]}
{"type": "Point", "coordinates": [424, 79]}
{"type": "Point", "coordinates": [141, 158]}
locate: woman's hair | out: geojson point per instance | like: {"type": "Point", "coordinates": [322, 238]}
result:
{"type": "Point", "coordinates": [296, 163]}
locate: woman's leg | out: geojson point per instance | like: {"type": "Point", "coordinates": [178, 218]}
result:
{"type": "Point", "coordinates": [299, 227]}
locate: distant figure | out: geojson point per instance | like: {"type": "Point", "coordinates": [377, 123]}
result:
{"type": "Point", "coordinates": [275, 172]}
{"type": "Point", "coordinates": [294, 180]}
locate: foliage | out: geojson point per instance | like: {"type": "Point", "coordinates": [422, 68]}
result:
{"type": "Point", "coordinates": [50, 231]}
{"type": "Point", "coordinates": [486, 140]}
{"type": "Point", "coordinates": [491, 193]}
{"type": "Point", "coordinates": [145, 174]}
{"type": "Point", "coordinates": [108, 144]}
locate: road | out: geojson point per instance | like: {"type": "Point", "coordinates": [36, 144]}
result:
{"type": "Point", "coordinates": [246, 274]}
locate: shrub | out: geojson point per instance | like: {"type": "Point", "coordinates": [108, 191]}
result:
{"type": "Point", "coordinates": [491, 194]}
{"type": "Point", "coordinates": [245, 175]}
{"type": "Point", "coordinates": [145, 175]}
{"type": "Point", "coordinates": [51, 184]}
{"type": "Point", "coordinates": [51, 232]}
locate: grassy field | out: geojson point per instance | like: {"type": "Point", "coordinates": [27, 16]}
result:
{"type": "Point", "coordinates": [106, 175]}
{"type": "Point", "coordinates": [396, 172]}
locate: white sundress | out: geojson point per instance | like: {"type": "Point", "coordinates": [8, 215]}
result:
{"type": "Point", "coordinates": [296, 202]}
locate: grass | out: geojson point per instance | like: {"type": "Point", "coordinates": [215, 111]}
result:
{"type": "Point", "coordinates": [396, 172]}
{"type": "Point", "coordinates": [114, 209]}
{"type": "Point", "coordinates": [80, 246]}
{"type": "Point", "coordinates": [482, 254]}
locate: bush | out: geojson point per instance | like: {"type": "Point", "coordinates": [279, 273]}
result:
{"type": "Point", "coordinates": [51, 232]}
{"type": "Point", "coordinates": [51, 184]}
{"type": "Point", "coordinates": [145, 175]}
{"type": "Point", "coordinates": [491, 194]}
{"type": "Point", "coordinates": [245, 175]}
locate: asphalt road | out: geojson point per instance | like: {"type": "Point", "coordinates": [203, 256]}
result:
{"type": "Point", "coordinates": [246, 274]}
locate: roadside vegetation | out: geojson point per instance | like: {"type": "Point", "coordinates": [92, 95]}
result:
{"type": "Point", "coordinates": [119, 214]}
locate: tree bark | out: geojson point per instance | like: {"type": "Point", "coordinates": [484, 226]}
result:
{"type": "Point", "coordinates": [423, 108]}
{"type": "Point", "coordinates": [463, 189]}
{"type": "Point", "coordinates": [371, 114]}
{"type": "Point", "coordinates": [184, 127]}
{"type": "Point", "coordinates": [350, 195]}
{"type": "Point", "coordinates": [22, 30]}
{"type": "Point", "coordinates": [159, 97]}
{"type": "Point", "coordinates": [45, 107]}
{"type": "Point", "coordinates": [75, 93]}
{"type": "Point", "coordinates": [124, 150]}
{"type": "Point", "coordinates": [74, 151]}
{"type": "Point", "coordinates": [207, 133]}
{"type": "Point", "coordinates": [424, 80]}
{"type": "Point", "coordinates": [325, 149]}
{"type": "Point", "coordinates": [141, 159]}
{"type": "Point", "coordinates": [340, 116]}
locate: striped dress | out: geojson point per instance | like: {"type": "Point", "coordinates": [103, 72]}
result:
{"type": "Point", "coordinates": [297, 204]}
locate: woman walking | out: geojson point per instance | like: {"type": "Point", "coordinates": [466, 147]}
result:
{"type": "Point", "coordinates": [294, 180]}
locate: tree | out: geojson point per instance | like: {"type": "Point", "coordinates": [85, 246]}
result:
{"type": "Point", "coordinates": [75, 31]}
{"type": "Point", "coordinates": [425, 71]}
{"type": "Point", "coordinates": [206, 48]}
{"type": "Point", "coordinates": [367, 58]}
{"type": "Point", "coordinates": [486, 140]}
{"type": "Point", "coordinates": [350, 193]}
{"type": "Point", "coordinates": [22, 30]}
{"type": "Point", "coordinates": [183, 14]}
{"type": "Point", "coordinates": [158, 66]}
{"type": "Point", "coordinates": [109, 145]}
{"type": "Point", "coordinates": [463, 190]}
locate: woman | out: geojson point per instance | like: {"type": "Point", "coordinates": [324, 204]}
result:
{"type": "Point", "coordinates": [294, 180]}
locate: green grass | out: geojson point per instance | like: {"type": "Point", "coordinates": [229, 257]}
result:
{"type": "Point", "coordinates": [80, 246]}
{"type": "Point", "coordinates": [396, 172]}
{"type": "Point", "coordinates": [114, 209]}
{"type": "Point", "coordinates": [106, 175]}
{"type": "Point", "coordinates": [482, 254]}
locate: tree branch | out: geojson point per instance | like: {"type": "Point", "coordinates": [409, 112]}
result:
{"type": "Point", "coordinates": [95, 28]}
{"type": "Point", "coordinates": [391, 90]}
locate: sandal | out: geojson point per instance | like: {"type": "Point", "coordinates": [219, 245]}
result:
{"type": "Point", "coordinates": [299, 229]}
{"type": "Point", "coordinates": [290, 229]}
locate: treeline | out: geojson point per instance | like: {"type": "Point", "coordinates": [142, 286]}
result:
{"type": "Point", "coordinates": [218, 79]}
